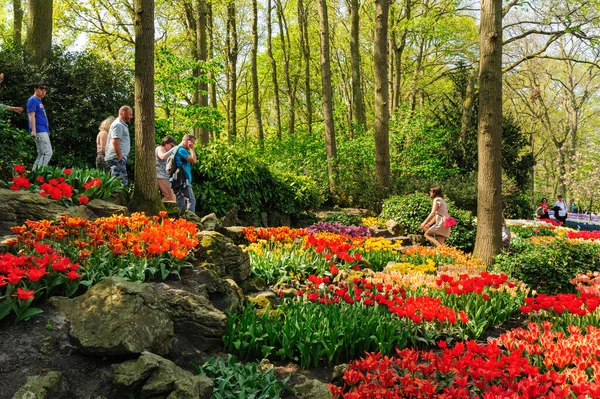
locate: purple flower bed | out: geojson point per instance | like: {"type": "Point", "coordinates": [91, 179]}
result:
{"type": "Point", "coordinates": [354, 231]}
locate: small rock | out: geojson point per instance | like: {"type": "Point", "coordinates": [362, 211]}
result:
{"type": "Point", "coordinates": [394, 227]}
{"type": "Point", "coordinates": [152, 376]}
{"type": "Point", "coordinates": [256, 284]}
{"type": "Point", "coordinates": [210, 222]}
{"type": "Point", "coordinates": [50, 386]}
{"type": "Point", "coordinates": [312, 389]}
{"type": "Point", "coordinates": [227, 259]}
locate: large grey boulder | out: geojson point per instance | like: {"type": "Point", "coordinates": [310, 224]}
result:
{"type": "Point", "coordinates": [101, 208]}
{"type": "Point", "coordinates": [50, 386]}
{"type": "Point", "coordinates": [117, 317]}
{"type": "Point", "coordinates": [194, 317]}
{"type": "Point", "coordinates": [16, 207]}
{"type": "Point", "coordinates": [224, 257]}
{"type": "Point", "coordinates": [152, 376]}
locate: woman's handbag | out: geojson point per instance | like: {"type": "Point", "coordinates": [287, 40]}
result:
{"type": "Point", "coordinates": [449, 222]}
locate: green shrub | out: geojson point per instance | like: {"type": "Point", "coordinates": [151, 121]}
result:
{"type": "Point", "coordinates": [227, 177]}
{"type": "Point", "coordinates": [343, 218]}
{"type": "Point", "coordinates": [16, 147]}
{"type": "Point", "coordinates": [411, 210]}
{"type": "Point", "coordinates": [235, 380]}
{"type": "Point", "coordinates": [528, 232]}
{"type": "Point", "coordinates": [547, 266]}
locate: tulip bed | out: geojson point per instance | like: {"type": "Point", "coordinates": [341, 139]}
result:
{"type": "Point", "coordinates": [361, 300]}
{"type": "Point", "coordinates": [73, 254]}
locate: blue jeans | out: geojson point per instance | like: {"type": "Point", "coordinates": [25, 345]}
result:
{"type": "Point", "coordinates": [183, 195]}
{"type": "Point", "coordinates": [118, 169]}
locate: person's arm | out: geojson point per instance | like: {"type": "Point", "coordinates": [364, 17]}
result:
{"type": "Point", "coordinates": [102, 139]}
{"type": "Point", "coordinates": [32, 123]}
{"type": "Point", "coordinates": [18, 110]}
{"type": "Point", "coordinates": [162, 154]}
{"type": "Point", "coordinates": [192, 158]}
{"type": "Point", "coordinates": [117, 146]}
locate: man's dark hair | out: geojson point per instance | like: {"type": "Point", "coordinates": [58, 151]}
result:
{"type": "Point", "coordinates": [39, 85]}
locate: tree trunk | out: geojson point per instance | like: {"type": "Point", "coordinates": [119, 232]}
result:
{"type": "Point", "coordinates": [38, 42]}
{"type": "Point", "coordinates": [327, 96]}
{"type": "Point", "coordinates": [273, 69]}
{"type": "Point", "coordinates": [17, 21]}
{"type": "Point", "coordinates": [489, 182]}
{"type": "Point", "coordinates": [145, 191]}
{"type": "Point", "coordinates": [358, 104]}
{"type": "Point", "coordinates": [467, 110]}
{"type": "Point", "coordinates": [232, 50]}
{"type": "Point", "coordinates": [212, 87]}
{"type": "Point", "coordinates": [255, 100]}
{"type": "Point", "coordinates": [286, 49]}
{"type": "Point", "coordinates": [398, 53]}
{"type": "Point", "coordinates": [380, 80]}
{"type": "Point", "coordinates": [303, 22]}
{"type": "Point", "coordinates": [201, 55]}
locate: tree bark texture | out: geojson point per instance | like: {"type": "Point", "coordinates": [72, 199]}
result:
{"type": "Point", "coordinates": [201, 55]}
{"type": "Point", "coordinates": [358, 104]}
{"type": "Point", "coordinates": [305, 46]}
{"type": "Point", "coordinates": [286, 49]}
{"type": "Point", "coordinates": [489, 142]}
{"type": "Point", "coordinates": [255, 96]}
{"type": "Point", "coordinates": [145, 193]}
{"type": "Point", "coordinates": [38, 42]}
{"type": "Point", "coordinates": [212, 86]}
{"type": "Point", "coordinates": [380, 80]}
{"type": "Point", "coordinates": [327, 96]}
{"type": "Point", "coordinates": [273, 69]}
{"type": "Point", "coordinates": [232, 54]}
{"type": "Point", "coordinates": [17, 21]}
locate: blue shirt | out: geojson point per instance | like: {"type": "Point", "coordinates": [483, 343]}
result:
{"type": "Point", "coordinates": [180, 157]}
{"type": "Point", "coordinates": [34, 104]}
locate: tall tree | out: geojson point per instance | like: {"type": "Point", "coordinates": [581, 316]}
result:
{"type": "Point", "coordinates": [380, 80]}
{"type": "Point", "coordinates": [17, 21]}
{"type": "Point", "coordinates": [255, 98]}
{"type": "Point", "coordinates": [327, 96]}
{"type": "Point", "coordinates": [145, 192]}
{"type": "Point", "coordinates": [305, 46]}
{"type": "Point", "coordinates": [38, 42]}
{"type": "Point", "coordinates": [489, 141]}
{"type": "Point", "coordinates": [273, 68]}
{"type": "Point", "coordinates": [358, 104]}
{"type": "Point", "coordinates": [201, 56]}
{"type": "Point", "coordinates": [212, 86]}
{"type": "Point", "coordinates": [232, 54]}
{"type": "Point", "coordinates": [291, 83]}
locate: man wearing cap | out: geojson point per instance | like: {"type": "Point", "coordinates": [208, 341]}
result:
{"type": "Point", "coordinates": [560, 210]}
{"type": "Point", "coordinates": [38, 125]}
{"type": "Point", "coordinates": [118, 144]}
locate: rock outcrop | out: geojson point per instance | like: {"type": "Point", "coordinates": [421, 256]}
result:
{"type": "Point", "coordinates": [117, 317]}
{"type": "Point", "coordinates": [50, 385]}
{"type": "Point", "coordinates": [152, 376]}
{"type": "Point", "coordinates": [18, 206]}
{"type": "Point", "coordinates": [220, 254]}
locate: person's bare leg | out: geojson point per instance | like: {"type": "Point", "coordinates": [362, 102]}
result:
{"type": "Point", "coordinates": [432, 240]}
{"type": "Point", "coordinates": [441, 239]}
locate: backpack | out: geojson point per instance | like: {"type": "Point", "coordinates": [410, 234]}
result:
{"type": "Point", "coordinates": [171, 164]}
{"type": "Point", "coordinates": [540, 211]}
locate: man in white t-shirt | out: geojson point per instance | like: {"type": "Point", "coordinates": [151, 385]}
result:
{"type": "Point", "coordinates": [560, 210]}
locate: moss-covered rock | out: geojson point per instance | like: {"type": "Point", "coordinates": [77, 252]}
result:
{"type": "Point", "coordinates": [227, 259]}
{"type": "Point", "coordinates": [152, 376]}
{"type": "Point", "coordinates": [50, 386]}
{"type": "Point", "coordinates": [117, 317]}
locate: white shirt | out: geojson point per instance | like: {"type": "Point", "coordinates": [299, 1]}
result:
{"type": "Point", "coordinates": [563, 208]}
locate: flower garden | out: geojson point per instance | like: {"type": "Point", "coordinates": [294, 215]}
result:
{"type": "Point", "coordinates": [409, 322]}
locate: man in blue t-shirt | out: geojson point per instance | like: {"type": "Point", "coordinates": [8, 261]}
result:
{"type": "Point", "coordinates": [182, 179]}
{"type": "Point", "coordinates": [38, 125]}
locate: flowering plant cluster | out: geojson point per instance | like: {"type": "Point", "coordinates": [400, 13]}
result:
{"type": "Point", "coordinates": [278, 234]}
{"type": "Point", "coordinates": [320, 324]}
{"type": "Point", "coordinates": [593, 235]}
{"type": "Point", "coordinates": [588, 283]}
{"type": "Point", "coordinates": [520, 364]}
{"type": "Point", "coordinates": [25, 278]}
{"type": "Point", "coordinates": [65, 185]}
{"type": "Point", "coordinates": [335, 227]}
{"type": "Point", "coordinates": [135, 247]}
